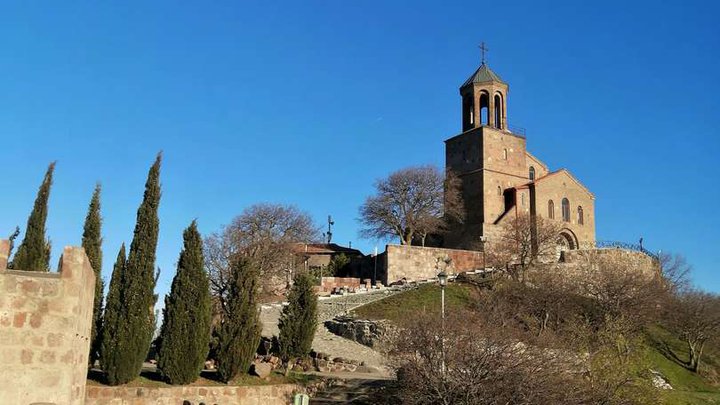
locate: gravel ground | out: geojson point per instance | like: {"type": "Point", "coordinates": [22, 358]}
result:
{"type": "Point", "coordinates": [327, 342]}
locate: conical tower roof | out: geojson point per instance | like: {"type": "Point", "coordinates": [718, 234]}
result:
{"type": "Point", "coordinates": [483, 75]}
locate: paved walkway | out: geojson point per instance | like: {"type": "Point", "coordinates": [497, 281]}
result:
{"type": "Point", "coordinates": [327, 342]}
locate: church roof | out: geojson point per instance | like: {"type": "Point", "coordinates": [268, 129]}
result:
{"type": "Point", "coordinates": [551, 174]}
{"type": "Point", "coordinates": [483, 75]}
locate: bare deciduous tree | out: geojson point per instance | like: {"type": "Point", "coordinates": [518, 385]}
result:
{"type": "Point", "coordinates": [411, 202]}
{"type": "Point", "coordinates": [464, 363]}
{"type": "Point", "coordinates": [695, 316]}
{"type": "Point", "coordinates": [264, 234]}
{"type": "Point", "coordinates": [523, 242]}
{"type": "Point", "coordinates": [675, 271]}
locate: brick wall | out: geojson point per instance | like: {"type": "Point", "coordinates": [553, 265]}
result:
{"type": "Point", "coordinates": [45, 323]}
{"type": "Point", "coordinates": [420, 263]}
{"type": "Point", "coordinates": [281, 394]}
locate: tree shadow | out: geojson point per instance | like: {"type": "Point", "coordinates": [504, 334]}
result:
{"type": "Point", "coordinates": [663, 348]}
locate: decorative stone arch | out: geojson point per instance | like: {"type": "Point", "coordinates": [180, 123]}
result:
{"type": "Point", "coordinates": [498, 110]}
{"type": "Point", "coordinates": [483, 108]}
{"type": "Point", "coordinates": [567, 240]}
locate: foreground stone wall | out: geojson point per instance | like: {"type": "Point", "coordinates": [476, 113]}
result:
{"type": "Point", "coordinates": [280, 394]}
{"type": "Point", "coordinates": [421, 263]}
{"type": "Point", "coordinates": [45, 321]}
{"type": "Point", "coordinates": [328, 284]}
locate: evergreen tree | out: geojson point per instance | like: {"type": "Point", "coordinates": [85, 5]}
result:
{"type": "Point", "coordinates": [33, 254]}
{"type": "Point", "coordinates": [92, 243]}
{"type": "Point", "coordinates": [136, 320]}
{"type": "Point", "coordinates": [113, 307]}
{"type": "Point", "coordinates": [239, 333]}
{"type": "Point", "coordinates": [298, 319]}
{"type": "Point", "coordinates": [185, 332]}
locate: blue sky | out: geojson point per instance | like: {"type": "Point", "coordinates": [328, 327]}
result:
{"type": "Point", "coordinates": [309, 102]}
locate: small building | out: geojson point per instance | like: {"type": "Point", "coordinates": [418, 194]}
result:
{"type": "Point", "coordinates": [319, 255]}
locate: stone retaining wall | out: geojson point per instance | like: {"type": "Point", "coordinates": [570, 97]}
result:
{"type": "Point", "coordinates": [327, 284]}
{"type": "Point", "coordinates": [421, 263]}
{"type": "Point", "coordinates": [280, 394]}
{"type": "Point", "coordinates": [45, 321]}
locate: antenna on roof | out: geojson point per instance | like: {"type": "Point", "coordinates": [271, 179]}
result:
{"type": "Point", "coordinates": [329, 231]}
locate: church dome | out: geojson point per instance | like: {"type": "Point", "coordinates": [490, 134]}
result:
{"type": "Point", "coordinates": [483, 75]}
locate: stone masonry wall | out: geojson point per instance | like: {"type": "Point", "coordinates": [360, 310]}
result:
{"type": "Point", "coordinates": [421, 263]}
{"type": "Point", "coordinates": [45, 321]}
{"type": "Point", "coordinates": [221, 395]}
{"type": "Point", "coordinates": [327, 284]}
{"type": "Point", "coordinates": [575, 259]}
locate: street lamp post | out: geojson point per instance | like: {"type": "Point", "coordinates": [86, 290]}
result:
{"type": "Point", "coordinates": [442, 280]}
{"type": "Point", "coordinates": [483, 239]}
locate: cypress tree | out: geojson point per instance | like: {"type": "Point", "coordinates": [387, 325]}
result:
{"type": "Point", "coordinates": [239, 333]}
{"type": "Point", "coordinates": [33, 254]}
{"type": "Point", "coordinates": [92, 243]}
{"type": "Point", "coordinates": [136, 320]}
{"type": "Point", "coordinates": [298, 319]}
{"type": "Point", "coordinates": [185, 333]}
{"type": "Point", "coordinates": [113, 307]}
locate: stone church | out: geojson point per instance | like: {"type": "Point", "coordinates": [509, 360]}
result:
{"type": "Point", "coordinates": [500, 179]}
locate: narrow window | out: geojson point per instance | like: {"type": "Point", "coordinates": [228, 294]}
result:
{"type": "Point", "coordinates": [532, 173]}
{"type": "Point", "coordinates": [498, 111]}
{"type": "Point", "coordinates": [499, 191]}
{"type": "Point", "coordinates": [484, 108]}
{"type": "Point", "coordinates": [551, 209]}
{"type": "Point", "coordinates": [522, 199]}
{"type": "Point", "coordinates": [566, 210]}
{"type": "Point", "coordinates": [581, 220]}
{"type": "Point", "coordinates": [505, 154]}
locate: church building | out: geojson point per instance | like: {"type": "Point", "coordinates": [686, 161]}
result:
{"type": "Point", "coordinates": [500, 179]}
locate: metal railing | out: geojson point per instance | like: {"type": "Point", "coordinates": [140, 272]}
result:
{"type": "Point", "coordinates": [611, 244]}
{"type": "Point", "coordinates": [520, 131]}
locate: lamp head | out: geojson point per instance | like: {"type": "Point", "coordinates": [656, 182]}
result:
{"type": "Point", "coordinates": [442, 279]}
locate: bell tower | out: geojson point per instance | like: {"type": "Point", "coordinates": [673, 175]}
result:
{"type": "Point", "coordinates": [484, 99]}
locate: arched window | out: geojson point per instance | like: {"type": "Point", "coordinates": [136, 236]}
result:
{"type": "Point", "coordinates": [498, 111]}
{"type": "Point", "coordinates": [484, 108]}
{"type": "Point", "coordinates": [499, 191]}
{"type": "Point", "coordinates": [566, 210]}
{"type": "Point", "coordinates": [532, 173]}
{"type": "Point", "coordinates": [551, 209]}
{"type": "Point", "coordinates": [505, 154]}
{"type": "Point", "coordinates": [581, 220]}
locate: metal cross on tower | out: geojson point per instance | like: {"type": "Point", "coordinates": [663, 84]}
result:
{"type": "Point", "coordinates": [483, 49]}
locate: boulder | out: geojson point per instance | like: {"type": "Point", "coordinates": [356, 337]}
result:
{"type": "Point", "coordinates": [261, 370]}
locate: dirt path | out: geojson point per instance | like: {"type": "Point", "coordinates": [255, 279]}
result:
{"type": "Point", "coordinates": [327, 342]}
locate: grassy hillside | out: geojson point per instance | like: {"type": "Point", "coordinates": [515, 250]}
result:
{"type": "Point", "coordinates": [401, 307]}
{"type": "Point", "coordinates": [689, 388]}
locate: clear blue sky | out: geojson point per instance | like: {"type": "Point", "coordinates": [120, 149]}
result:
{"type": "Point", "coordinates": [309, 102]}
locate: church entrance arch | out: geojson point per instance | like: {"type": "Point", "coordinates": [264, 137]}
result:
{"type": "Point", "coordinates": [566, 241]}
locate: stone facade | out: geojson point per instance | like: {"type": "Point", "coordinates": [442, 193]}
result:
{"type": "Point", "coordinates": [280, 394]}
{"type": "Point", "coordinates": [501, 179]}
{"type": "Point", "coordinates": [45, 321]}
{"type": "Point", "coordinates": [414, 263]}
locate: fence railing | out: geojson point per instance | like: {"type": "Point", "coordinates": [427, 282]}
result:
{"type": "Point", "coordinates": [609, 244]}
{"type": "Point", "coordinates": [520, 131]}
